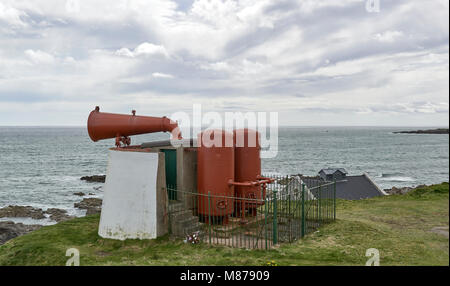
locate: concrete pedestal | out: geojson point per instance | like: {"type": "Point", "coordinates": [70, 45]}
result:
{"type": "Point", "coordinates": [135, 203]}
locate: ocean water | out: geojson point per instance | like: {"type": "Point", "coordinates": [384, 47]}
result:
{"type": "Point", "coordinates": [42, 166]}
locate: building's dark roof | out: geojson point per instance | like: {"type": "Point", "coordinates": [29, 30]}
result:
{"type": "Point", "coordinates": [331, 171]}
{"type": "Point", "coordinates": [352, 188]}
{"type": "Point", "coordinates": [357, 188]}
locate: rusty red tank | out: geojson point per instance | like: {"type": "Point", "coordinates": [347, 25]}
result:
{"type": "Point", "coordinates": [247, 169]}
{"type": "Point", "coordinates": [215, 172]}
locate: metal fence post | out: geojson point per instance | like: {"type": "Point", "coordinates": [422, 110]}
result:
{"type": "Point", "coordinates": [303, 227]}
{"type": "Point", "coordinates": [265, 220]}
{"type": "Point", "coordinates": [209, 215]}
{"type": "Point", "coordinates": [334, 199]}
{"type": "Point", "coordinates": [170, 211]}
{"type": "Point", "coordinates": [319, 209]}
{"type": "Point", "coordinates": [275, 219]}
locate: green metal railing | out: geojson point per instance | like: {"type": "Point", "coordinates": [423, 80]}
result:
{"type": "Point", "coordinates": [287, 210]}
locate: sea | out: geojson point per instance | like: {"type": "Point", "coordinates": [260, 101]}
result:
{"type": "Point", "coordinates": [42, 166]}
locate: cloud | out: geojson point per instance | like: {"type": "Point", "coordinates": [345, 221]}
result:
{"type": "Point", "coordinates": [144, 49]}
{"type": "Point", "coordinates": [39, 57]}
{"type": "Point", "coordinates": [388, 36]}
{"type": "Point", "coordinates": [311, 56]}
{"type": "Point", "coordinates": [162, 75]}
{"type": "Point", "coordinates": [12, 16]}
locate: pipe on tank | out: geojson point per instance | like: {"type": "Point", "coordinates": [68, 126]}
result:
{"type": "Point", "coordinates": [251, 183]}
{"type": "Point", "coordinates": [102, 125]}
{"type": "Point", "coordinates": [163, 143]}
{"type": "Point", "coordinates": [250, 186]}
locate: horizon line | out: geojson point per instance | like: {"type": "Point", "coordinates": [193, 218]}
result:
{"type": "Point", "coordinates": [306, 126]}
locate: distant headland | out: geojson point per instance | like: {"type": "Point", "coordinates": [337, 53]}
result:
{"type": "Point", "coordinates": [429, 131]}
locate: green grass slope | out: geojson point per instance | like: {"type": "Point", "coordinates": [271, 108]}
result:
{"type": "Point", "coordinates": [398, 226]}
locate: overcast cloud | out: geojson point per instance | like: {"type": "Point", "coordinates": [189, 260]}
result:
{"type": "Point", "coordinates": [315, 62]}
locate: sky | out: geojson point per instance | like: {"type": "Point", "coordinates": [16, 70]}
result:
{"type": "Point", "coordinates": [315, 62]}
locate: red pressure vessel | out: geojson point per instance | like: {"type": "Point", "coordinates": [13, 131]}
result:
{"type": "Point", "coordinates": [247, 169]}
{"type": "Point", "coordinates": [215, 171]}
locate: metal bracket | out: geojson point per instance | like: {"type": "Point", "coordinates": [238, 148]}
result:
{"type": "Point", "coordinates": [125, 140]}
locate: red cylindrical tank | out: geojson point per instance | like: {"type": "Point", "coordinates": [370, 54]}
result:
{"type": "Point", "coordinates": [247, 169]}
{"type": "Point", "coordinates": [215, 171]}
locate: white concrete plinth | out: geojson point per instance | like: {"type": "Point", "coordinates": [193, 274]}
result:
{"type": "Point", "coordinates": [129, 209]}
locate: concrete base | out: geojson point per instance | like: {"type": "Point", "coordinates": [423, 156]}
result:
{"type": "Point", "coordinates": [187, 176]}
{"type": "Point", "coordinates": [135, 203]}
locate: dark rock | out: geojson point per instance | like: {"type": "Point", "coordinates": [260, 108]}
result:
{"type": "Point", "coordinates": [79, 194]}
{"type": "Point", "coordinates": [89, 202]}
{"type": "Point", "coordinates": [398, 191]}
{"type": "Point", "coordinates": [429, 131]}
{"type": "Point", "coordinates": [94, 179]}
{"type": "Point", "coordinates": [10, 230]}
{"type": "Point", "coordinates": [91, 211]}
{"type": "Point", "coordinates": [403, 190]}
{"type": "Point", "coordinates": [22, 211]}
{"type": "Point", "coordinates": [91, 205]}
{"type": "Point", "coordinates": [58, 214]}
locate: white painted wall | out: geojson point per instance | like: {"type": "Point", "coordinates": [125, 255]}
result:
{"type": "Point", "coordinates": [129, 200]}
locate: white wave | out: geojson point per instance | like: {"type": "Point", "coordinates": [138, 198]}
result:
{"type": "Point", "coordinates": [28, 221]}
{"type": "Point", "coordinates": [397, 179]}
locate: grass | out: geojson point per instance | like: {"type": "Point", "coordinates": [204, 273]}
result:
{"type": "Point", "coordinates": [398, 226]}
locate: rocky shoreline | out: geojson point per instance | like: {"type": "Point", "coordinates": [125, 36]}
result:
{"type": "Point", "coordinates": [54, 214]}
{"type": "Point", "coordinates": [401, 191]}
{"type": "Point", "coordinates": [10, 229]}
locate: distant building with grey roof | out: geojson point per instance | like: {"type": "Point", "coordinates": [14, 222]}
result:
{"type": "Point", "coordinates": [350, 187]}
{"type": "Point", "coordinates": [333, 174]}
